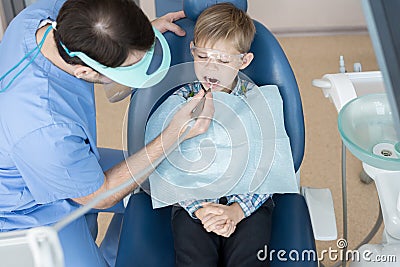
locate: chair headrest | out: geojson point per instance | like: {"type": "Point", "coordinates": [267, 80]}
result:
{"type": "Point", "coordinates": [193, 8]}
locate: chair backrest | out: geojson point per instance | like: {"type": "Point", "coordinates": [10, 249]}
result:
{"type": "Point", "coordinates": [270, 66]}
{"type": "Point", "coordinates": [147, 232]}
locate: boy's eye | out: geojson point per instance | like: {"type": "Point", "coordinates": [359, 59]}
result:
{"type": "Point", "coordinates": [202, 56]}
{"type": "Point", "coordinates": [224, 60]}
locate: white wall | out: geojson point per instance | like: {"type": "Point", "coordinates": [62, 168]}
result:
{"type": "Point", "coordinates": [290, 16]}
{"type": "Point", "coordinates": [149, 8]}
{"type": "Point", "coordinates": [308, 15]}
{"type": "Point", "coordinates": [299, 16]}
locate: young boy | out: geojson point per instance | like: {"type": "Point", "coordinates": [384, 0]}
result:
{"type": "Point", "coordinates": [228, 231]}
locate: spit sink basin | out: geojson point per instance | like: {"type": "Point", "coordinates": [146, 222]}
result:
{"type": "Point", "coordinates": [366, 128]}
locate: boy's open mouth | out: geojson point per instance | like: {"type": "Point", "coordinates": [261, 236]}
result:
{"type": "Point", "coordinates": [210, 81]}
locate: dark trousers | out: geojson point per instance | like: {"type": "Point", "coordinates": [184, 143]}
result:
{"type": "Point", "coordinates": [194, 246]}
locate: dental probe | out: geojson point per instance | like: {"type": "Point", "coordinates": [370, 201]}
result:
{"type": "Point", "coordinates": [199, 107]}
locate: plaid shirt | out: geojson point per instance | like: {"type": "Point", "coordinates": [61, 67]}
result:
{"type": "Point", "coordinates": [248, 202]}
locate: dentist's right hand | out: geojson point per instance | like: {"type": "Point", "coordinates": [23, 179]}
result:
{"type": "Point", "coordinates": [183, 117]}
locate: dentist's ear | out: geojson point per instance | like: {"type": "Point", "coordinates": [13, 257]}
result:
{"type": "Point", "coordinates": [247, 60]}
{"type": "Point", "coordinates": [81, 72]}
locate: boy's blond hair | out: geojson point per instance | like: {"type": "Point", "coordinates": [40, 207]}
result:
{"type": "Point", "coordinates": [224, 21]}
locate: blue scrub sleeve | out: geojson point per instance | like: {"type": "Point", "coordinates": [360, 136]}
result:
{"type": "Point", "coordinates": [57, 162]}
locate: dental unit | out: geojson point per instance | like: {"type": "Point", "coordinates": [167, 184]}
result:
{"type": "Point", "coordinates": [367, 130]}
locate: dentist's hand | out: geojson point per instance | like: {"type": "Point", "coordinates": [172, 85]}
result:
{"type": "Point", "coordinates": [183, 117]}
{"type": "Point", "coordinates": [166, 23]}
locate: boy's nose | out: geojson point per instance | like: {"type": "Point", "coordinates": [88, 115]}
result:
{"type": "Point", "coordinates": [211, 63]}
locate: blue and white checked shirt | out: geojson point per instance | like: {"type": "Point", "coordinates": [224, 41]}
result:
{"type": "Point", "coordinates": [248, 202]}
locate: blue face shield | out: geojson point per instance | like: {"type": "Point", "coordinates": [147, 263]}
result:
{"type": "Point", "coordinates": [135, 75]}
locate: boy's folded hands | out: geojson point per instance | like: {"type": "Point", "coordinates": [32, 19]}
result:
{"type": "Point", "coordinates": [220, 219]}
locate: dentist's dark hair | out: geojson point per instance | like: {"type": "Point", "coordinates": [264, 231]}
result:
{"type": "Point", "coordinates": [105, 30]}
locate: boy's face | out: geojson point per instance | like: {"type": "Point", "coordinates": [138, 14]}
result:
{"type": "Point", "coordinates": [217, 66]}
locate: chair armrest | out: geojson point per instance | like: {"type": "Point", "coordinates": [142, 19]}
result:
{"type": "Point", "coordinates": [292, 233]}
{"type": "Point", "coordinates": [322, 214]}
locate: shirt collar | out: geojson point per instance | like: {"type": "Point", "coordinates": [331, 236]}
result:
{"type": "Point", "coordinates": [240, 88]}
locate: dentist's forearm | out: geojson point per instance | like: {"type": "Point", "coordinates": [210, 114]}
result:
{"type": "Point", "coordinates": [130, 167]}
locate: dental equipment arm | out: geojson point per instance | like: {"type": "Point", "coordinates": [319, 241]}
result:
{"type": "Point", "coordinates": [340, 88]}
{"type": "Point", "coordinates": [36, 247]}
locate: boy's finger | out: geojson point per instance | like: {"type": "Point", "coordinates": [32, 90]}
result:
{"type": "Point", "coordinates": [224, 230]}
{"type": "Point", "coordinates": [214, 225]}
{"type": "Point", "coordinates": [210, 209]}
{"type": "Point", "coordinates": [217, 219]}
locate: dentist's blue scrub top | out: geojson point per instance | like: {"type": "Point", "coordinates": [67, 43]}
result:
{"type": "Point", "coordinates": [48, 148]}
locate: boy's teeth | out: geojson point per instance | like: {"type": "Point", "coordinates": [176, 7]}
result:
{"type": "Point", "coordinates": [211, 80]}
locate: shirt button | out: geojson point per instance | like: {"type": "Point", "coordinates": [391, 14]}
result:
{"type": "Point", "coordinates": [223, 200]}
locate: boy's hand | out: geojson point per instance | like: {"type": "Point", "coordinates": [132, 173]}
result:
{"type": "Point", "coordinates": [225, 230]}
{"type": "Point", "coordinates": [222, 223]}
{"type": "Point", "coordinates": [208, 210]}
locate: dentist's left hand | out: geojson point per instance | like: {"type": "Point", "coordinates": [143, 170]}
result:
{"type": "Point", "coordinates": [166, 23]}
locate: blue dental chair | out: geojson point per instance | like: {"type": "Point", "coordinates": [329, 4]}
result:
{"type": "Point", "coordinates": [146, 238]}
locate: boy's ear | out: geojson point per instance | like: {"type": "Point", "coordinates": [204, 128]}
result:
{"type": "Point", "coordinates": [191, 46]}
{"type": "Point", "coordinates": [248, 57]}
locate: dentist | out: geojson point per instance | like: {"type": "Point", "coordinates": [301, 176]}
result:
{"type": "Point", "coordinates": [51, 54]}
